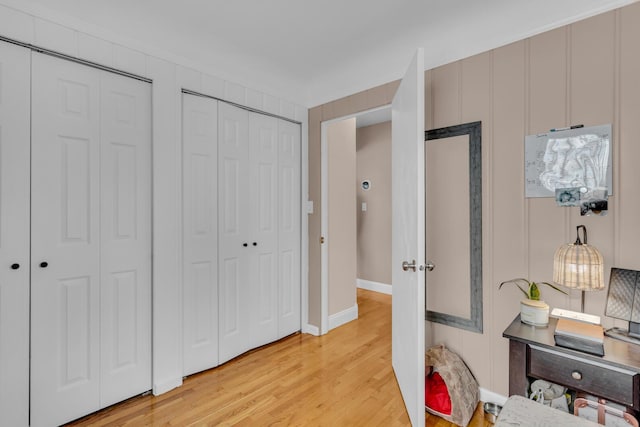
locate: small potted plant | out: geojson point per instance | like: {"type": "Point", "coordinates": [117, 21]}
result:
{"type": "Point", "coordinates": [533, 311]}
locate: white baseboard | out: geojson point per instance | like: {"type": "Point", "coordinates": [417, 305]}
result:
{"type": "Point", "coordinates": [489, 396]}
{"type": "Point", "coordinates": [374, 286]}
{"type": "Point", "coordinates": [311, 330]}
{"type": "Point", "coordinates": [165, 386]}
{"type": "Point", "coordinates": [345, 316]}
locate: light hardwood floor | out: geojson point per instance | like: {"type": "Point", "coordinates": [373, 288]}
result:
{"type": "Point", "coordinates": [341, 379]}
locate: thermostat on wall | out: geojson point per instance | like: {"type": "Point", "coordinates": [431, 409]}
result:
{"type": "Point", "coordinates": [366, 184]}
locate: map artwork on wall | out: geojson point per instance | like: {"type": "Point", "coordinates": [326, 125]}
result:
{"type": "Point", "coordinates": [572, 159]}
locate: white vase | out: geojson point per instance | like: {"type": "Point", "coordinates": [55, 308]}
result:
{"type": "Point", "coordinates": [534, 313]}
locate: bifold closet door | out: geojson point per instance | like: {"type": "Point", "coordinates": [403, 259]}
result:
{"type": "Point", "coordinates": [200, 213]}
{"type": "Point", "coordinates": [125, 238]}
{"type": "Point", "coordinates": [262, 254]}
{"type": "Point", "coordinates": [258, 240]}
{"type": "Point", "coordinates": [289, 205]}
{"type": "Point", "coordinates": [233, 231]}
{"type": "Point", "coordinates": [14, 234]}
{"type": "Point", "coordinates": [91, 240]}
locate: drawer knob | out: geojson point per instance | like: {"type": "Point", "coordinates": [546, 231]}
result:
{"type": "Point", "coordinates": [576, 375]}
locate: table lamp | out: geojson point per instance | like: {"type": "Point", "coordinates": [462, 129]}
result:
{"type": "Point", "coordinates": [579, 266]}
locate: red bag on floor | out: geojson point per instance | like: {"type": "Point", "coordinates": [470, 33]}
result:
{"type": "Point", "coordinates": [436, 394]}
{"type": "Point", "coordinates": [461, 388]}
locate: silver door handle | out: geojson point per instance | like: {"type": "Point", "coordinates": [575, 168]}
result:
{"type": "Point", "coordinates": [422, 267]}
{"type": "Point", "coordinates": [406, 266]}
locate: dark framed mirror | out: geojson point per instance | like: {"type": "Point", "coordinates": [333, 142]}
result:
{"type": "Point", "coordinates": [454, 225]}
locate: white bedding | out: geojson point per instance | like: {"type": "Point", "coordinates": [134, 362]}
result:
{"type": "Point", "coordinates": [519, 411]}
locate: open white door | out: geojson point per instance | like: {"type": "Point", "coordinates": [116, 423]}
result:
{"type": "Point", "coordinates": [408, 241]}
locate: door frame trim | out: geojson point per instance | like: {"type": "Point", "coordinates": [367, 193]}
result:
{"type": "Point", "coordinates": [324, 214]}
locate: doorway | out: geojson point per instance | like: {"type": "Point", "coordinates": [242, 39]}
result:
{"type": "Point", "coordinates": [348, 204]}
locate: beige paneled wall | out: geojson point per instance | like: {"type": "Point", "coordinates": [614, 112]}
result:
{"type": "Point", "coordinates": [585, 73]}
{"type": "Point", "coordinates": [373, 159]}
{"type": "Point", "coordinates": [342, 233]}
{"type": "Point", "coordinates": [572, 75]}
{"type": "Point", "coordinates": [315, 301]}
{"type": "Point", "coordinates": [461, 93]}
{"type": "Point", "coordinates": [361, 101]}
{"type": "Point", "coordinates": [627, 204]}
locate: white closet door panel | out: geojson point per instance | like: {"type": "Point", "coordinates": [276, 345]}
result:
{"type": "Point", "coordinates": [200, 317]}
{"type": "Point", "coordinates": [263, 260]}
{"type": "Point", "coordinates": [234, 211]}
{"type": "Point", "coordinates": [233, 220]}
{"type": "Point", "coordinates": [14, 234]}
{"type": "Point", "coordinates": [125, 241]}
{"type": "Point", "coordinates": [199, 139]}
{"type": "Point", "coordinates": [66, 236]}
{"type": "Point", "coordinates": [234, 316]}
{"type": "Point", "coordinates": [288, 228]}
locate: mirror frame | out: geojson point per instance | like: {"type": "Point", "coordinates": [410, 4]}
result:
{"type": "Point", "coordinates": [474, 130]}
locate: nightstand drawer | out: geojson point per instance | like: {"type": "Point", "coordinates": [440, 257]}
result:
{"type": "Point", "coordinates": [606, 381]}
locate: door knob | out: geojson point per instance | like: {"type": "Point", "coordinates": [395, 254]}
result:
{"type": "Point", "coordinates": [406, 266]}
{"type": "Point", "coordinates": [44, 264]}
{"type": "Point", "coordinates": [15, 266]}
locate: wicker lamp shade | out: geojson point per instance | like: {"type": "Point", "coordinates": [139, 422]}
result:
{"type": "Point", "coordinates": [579, 266]}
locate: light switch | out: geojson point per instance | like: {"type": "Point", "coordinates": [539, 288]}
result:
{"type": "Point", "coordinates": [364, 206]}
{"type": "Point", "coordinates": [309, 206]}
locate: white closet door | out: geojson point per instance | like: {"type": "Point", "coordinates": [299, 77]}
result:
{"type": "Point", "coordinates": [91, 240]}
{"type": "Point", "coordinates": [263, 231]}
{"type": "Point", "coordinates": [65, 272]}
{"type": "Point", "coordinates": [233, 220]}
{"type": "Point", "coordinates": [200, 213]}
{"type": "Point", "coordinates": [14, 234]}
{"type": "Point", "coordinates": [288, 228]}
{"type": "Point", "coordinates": [125, 238]}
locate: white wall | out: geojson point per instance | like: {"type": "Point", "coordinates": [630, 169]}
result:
{"type": "Point", "coordinates": [168, 80]}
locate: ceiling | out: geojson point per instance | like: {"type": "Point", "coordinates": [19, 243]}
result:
{"type": "Point", "coordinates": [312, 51]}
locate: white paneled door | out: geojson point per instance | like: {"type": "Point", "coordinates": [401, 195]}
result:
{"type": "Point", "coordinates": [125, 238]}
{"type": "Point", "coordinates": [408, 241]}
{"type": "Point", "coordinates": [14, 234]}
{"type": "Point", "coordinates": [233, 231]}
{"type": "Point", "coordinates": [263, 228]}
{"type": "Point", "coordinates": [91, 240]}
{"type": "Point", "coordinates": [200, 213]}
{"type": "Point", "coordinates": [288, 228]}
{"type": "Point", "coordinates": [65, 272]}
{"type": "Point", "coordinates": [252, 240]}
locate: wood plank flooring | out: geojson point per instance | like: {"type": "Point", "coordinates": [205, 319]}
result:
{"type": "Point", "coordinates": [344, 378]}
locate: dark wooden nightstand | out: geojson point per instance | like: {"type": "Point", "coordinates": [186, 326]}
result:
{"type": "Point", "coordinates": [533, 354]}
